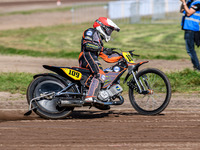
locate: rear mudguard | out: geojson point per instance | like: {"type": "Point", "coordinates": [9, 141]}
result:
{"type": "Point", "coordinates": [52, 75]}
{"type": "Point", "coordinates": [133, 67]}
{"type": "Point", "coordinates": [74, 74]}
{"type": "Point", "coordinates": [62, 79]}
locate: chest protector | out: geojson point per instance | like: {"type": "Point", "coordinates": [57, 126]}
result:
{"type": "Point", "coordinates": [91, 36]}
{"type": "Point", "coordinates": [192, 22]}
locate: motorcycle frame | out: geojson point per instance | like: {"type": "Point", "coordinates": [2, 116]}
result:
{"type": "Point", "coordinates": [132, 69]}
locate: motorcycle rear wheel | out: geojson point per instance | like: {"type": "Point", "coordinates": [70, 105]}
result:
{"type": "Point", "coordinates": [48, 108]}
{"type": "Point", "coordinates": [159, 97]}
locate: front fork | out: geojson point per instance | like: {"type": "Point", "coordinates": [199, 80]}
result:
{"type": "Point", "coordinates": [142, 89]}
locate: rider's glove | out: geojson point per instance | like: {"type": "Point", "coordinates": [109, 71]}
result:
{"type": "Point", "coordinates": [108, 51]}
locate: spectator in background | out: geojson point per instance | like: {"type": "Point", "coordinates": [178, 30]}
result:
{"type": "Point", "coordinates": [191, 25]}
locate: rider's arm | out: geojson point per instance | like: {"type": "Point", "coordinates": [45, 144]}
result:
{"type": "Point", "coordinates": [91, 46]}
{"type": "Point", "coordinates": [110, 58]}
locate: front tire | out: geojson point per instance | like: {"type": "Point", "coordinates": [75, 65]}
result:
{"type": "Point", "coordinates": [47, 108]}
{"type": "Point", "coordinates": [159, 96]}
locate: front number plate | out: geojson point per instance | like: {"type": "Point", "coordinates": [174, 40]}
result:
{"type": "Point", "coordinates": [128, 57]}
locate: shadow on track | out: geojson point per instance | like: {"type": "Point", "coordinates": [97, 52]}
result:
{"type": "Point", "coordinates": [98, 114]}
{"type": "Point", "coordinates": [19, 115]}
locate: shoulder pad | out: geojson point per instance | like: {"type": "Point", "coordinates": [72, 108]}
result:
{"type": "Point", "coordinates": [88, 34]}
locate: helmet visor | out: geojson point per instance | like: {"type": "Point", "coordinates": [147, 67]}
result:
{"type": "Point", "coordinates": [109, 31]}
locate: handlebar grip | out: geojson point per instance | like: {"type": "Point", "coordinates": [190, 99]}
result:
{"type": "Point", "coordinates": [131, 52]}
{"type": "Point", "coordinates": [117, 53]}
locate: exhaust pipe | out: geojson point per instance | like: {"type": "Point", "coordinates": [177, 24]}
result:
{"type": "Point", "coordinates": [70, 103]}
{"type": "Point", "coordinates": [120, 102]}
{"type": "Point", "coordinates": [80, 103]}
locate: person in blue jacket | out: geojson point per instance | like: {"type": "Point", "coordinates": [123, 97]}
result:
{"type": "Point", "coordinates": [191, 25]}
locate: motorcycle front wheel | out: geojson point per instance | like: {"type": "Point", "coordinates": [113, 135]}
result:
{"type": "Point", "coordinates": [157, 95]}
{"type": "Point", "coordinates": [47, 107]}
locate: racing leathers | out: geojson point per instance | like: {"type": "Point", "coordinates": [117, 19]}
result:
{"type": "Point", "coordinates": [91, 48]}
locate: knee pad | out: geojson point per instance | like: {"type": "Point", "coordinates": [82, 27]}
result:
{"type": "Point", "coordinates": [100, 77]}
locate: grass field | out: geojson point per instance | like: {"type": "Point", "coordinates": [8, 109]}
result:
{"type": "Point", "coordinates": [152, 41]}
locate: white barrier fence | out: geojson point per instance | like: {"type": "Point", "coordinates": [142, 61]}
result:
{"type": "Point", "coordinates": [138, 9]}
{"type": "Point", "coordinates": [129, 11]}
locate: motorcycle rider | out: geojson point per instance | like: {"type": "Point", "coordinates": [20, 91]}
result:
{"type": "Point", "coordinates": [92, 48]}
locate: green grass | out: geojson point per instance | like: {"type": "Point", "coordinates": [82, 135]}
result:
{"type": "Point", "coordinates": [185, 81]}
{"type": "Point", "coordinates": [154, 41]}
{"type": "Point", "coordinates": [15, 82]}
{"type": "Point", "coordinates": [60, 54]}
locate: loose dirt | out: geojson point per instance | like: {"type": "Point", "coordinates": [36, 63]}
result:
{"type": "Point", "coordinates": [120, 128]}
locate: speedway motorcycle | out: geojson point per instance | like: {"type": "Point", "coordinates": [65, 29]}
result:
{"type": "Point", "coordinates": [55, 95]}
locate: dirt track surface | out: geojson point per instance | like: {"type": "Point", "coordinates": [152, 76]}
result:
{"type": "Point", "coordinates": [120, 128]}
{"type": "Point", "coordinates": [15, 21]}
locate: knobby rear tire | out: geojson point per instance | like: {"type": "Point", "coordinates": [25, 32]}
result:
{"type": "Point", "coordinates": [47, 109]}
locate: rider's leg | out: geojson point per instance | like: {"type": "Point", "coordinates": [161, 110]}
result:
{"type": "Point", "coordinates": [98, 79]}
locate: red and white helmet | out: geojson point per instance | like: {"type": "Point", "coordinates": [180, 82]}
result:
{"type": "Point", "coordinates": [105, 26]}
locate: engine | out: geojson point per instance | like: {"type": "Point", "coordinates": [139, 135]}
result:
{"type": "Point", "coordinates": [105, 95]}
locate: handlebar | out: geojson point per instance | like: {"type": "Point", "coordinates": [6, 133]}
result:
{"type": "Point", "coordinates": [115, 52]}
{"type": "Point", "coordinates": [131, 52]}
